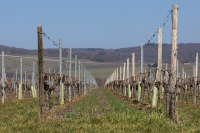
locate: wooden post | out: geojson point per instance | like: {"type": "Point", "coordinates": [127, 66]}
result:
{"type": "Point", "coordinates": [129, 90]}
{"type": "Point", "coordinates": [3, 91]}
{"type": "Point", "coordinates": [133, 64]}
{"type": "Point", "coordinates": [117, 82]}
{"type": "Point", "coordinates": [84, 80]}
{"type": "Point", "coordinates": [133, 93]}
{"type": "Point", "coordinates": [120, 78]}
{"type": "Point", "coordinates": [79, 77]}
{"type": "Point", "coordinates": [159, 64]}
{"type": "Point", "coordinates": [124, 79]}
{"type": "Point", "coordinates": [183, 73]}
{"type": "Point", "coordinates": [194, 96]}
{"type": "Point", "coordinates": [173, 61]}
{"type": "Point", "coordinates": [196, 76]}
{"type": "Point", "coordinates": [120, 73]}
{"type": "Point", "coordinates": [25, 83]}
{"type": "Point", "coordinates": [70, 66]}
{"type": "Point", "coordinates": [60, 65]}
{"type": "Point", "coordinates": [141, 61]}
{"type": "Point", "coordinates": [20, 79]}
{"type": "Point", "coordinates": [177, 73]}
{"type": "Point", "coordinates": [166, 66]}
{"type": "Point", "coordinates": [75, 75]}
{"type": "Point", "coordinates": [40, 70]}
{"type": "Point", "coordinates": [184, 82]}
{"type": "Point", "coordinates": [193, 71]}
{"type": "Point", "coordinates": [159, 54]}
{"type": "Point", "coordinates": [117, 75]}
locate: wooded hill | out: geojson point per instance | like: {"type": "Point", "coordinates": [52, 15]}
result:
{"type": "Point", "coordinates": [186, 53]}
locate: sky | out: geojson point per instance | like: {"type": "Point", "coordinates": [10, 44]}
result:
{"type": "Point", "coordinates": [108, 24]}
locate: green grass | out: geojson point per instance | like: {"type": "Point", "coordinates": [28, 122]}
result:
{"type": "Point", "coordinates": [100, 111]}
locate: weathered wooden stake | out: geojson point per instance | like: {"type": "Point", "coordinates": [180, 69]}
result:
{"type": "Point", "coordinates": [141, 61]}
{"type": "Point", "coordinates": [173, 61]}
{"type": "Point", "coordinates": [159, 54]}
{"type": "Point", "coordinates": [21, 78]}
{"type": "Point", "coordinates": [133, 64]}
{"type": "Point", "coordinates": [60, 61]}
{"type": "Point", "coordinates": [196, 76]}
{"type": "Point", "coordinates": [194, 72]}
{"type": "Point", "coordinates": [40, 70]}
{"type": "Point", "coordinates": [25, 83]}
{"type": "Point", "coordinates": [124, 79]}
{"type": "Point", "coordinates": [159, 64]}
{"type": "Point", "coordinates": [120, 73]}
{"type": "Point", "coordinates": [185, 84]}
{"type": "Point", "coordinates": [183, 73]}
{"type": "Point", "coordinates": [129, 90]}
{"type": "Point", "coordinates": [3, 91]}
{"type": "Point", "coordinates": [70, 66]}
{"type": "Point", "coordinates": [75, 75]}
{"type": "Point", "coordinates": [79, 77]}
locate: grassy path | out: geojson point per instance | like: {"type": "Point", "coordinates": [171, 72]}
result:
{"type": "Point", "coordinates": [100, 111]}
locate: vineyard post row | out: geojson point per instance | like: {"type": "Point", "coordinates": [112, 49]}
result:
{"type": "Point", "coordinates": [88, 80]}
{"type": "Point", "coordinates": [157, 85]}
{"type": "Point", "coordinates": [21, 88]}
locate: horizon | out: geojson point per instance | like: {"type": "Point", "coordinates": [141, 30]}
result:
{"type": "Point", "coordinates": [102, 48]}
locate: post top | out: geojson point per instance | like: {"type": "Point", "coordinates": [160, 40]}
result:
{"type": "Point", "coordinates": [175, 6]}
{"type": "Point", "coordinates": [39, 26]}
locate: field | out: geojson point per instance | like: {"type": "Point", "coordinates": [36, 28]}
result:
{"type": "Point", "coordinates": [99, 111]}
{"type": "Point", "coordinates": [100, 70]}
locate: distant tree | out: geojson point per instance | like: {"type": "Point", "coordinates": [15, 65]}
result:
{"type": "Point", "coordinates": [155, 65]}
{"type": "Point", "coordinates": [149, 65]}
{"type": "Point", "coordinates": [102, 53]}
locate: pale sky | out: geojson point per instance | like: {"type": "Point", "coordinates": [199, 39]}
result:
{"type": "Point", "coordinates": [95, 23]}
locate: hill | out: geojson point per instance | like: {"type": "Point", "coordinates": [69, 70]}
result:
{"type": "Point", "coordinates": [186, 53]}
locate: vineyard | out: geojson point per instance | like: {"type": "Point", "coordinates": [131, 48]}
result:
{"type": "Point", "coordinates": [71, 94]}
